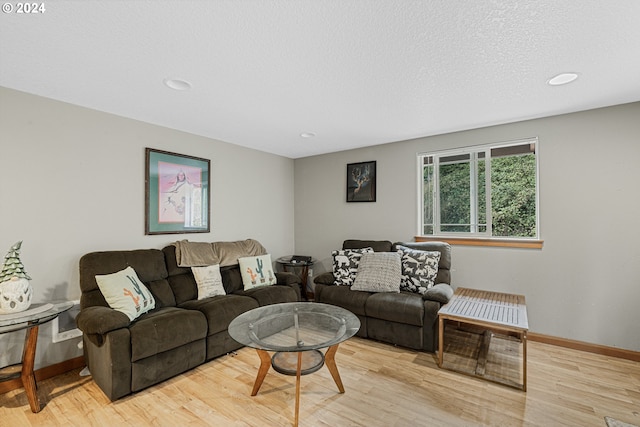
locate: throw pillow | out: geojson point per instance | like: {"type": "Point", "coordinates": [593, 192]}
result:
{"type": "Point", "coordinates": [419, 269]}
{"type": "Point", "coordinates": [378, 272]}
{"type": "Point", "coordinates": [124, 292]}
{"type": "Point", "coordinates": [209, 281]}
{"type": "Point", "coordinates": [345, 265]}
{"type": "Point", "coordinates": [257, 271]}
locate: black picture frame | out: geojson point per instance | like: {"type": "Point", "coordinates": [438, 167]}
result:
{"type": "Point", "coordinates": [177, 193]}
{"type": "Point", "coordinates": [361, 182]}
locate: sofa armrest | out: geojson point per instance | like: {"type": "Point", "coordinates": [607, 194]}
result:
{"type": "Point", "coordinates": [325, 278]}
{"type": "Point", "coordinates": [441, 293]}
{"type": "Point", "coordinates": [287, 278]}
{"type": "Point", "coordinates": [99, 320]}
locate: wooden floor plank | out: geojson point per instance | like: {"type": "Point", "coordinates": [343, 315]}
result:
{"type": "Point", "coordinates": [385, 386]}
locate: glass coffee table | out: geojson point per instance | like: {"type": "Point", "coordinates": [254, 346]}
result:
{"type": "Point", "coordinates": [296, 332]}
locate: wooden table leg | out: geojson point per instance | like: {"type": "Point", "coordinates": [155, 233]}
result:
{"type": "Point", "coordinates": [440, 340]}
{"type": "Point", "coordinates": [298, 373]}
{"type": "Point", "coordinates": [524, 360]}
{"type": "Point", "coordinates": [28, 359]}
{"type": "Point", "coordinates": [265, 364]}
{"type": "Point", "coordinates": [330, 361]}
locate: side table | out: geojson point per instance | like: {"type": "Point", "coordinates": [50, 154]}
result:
{"type": "Point", "coordinates": [290, 262]}
{"type": "Point", "coordinates": [30, 320]}
{"type": "Point", "coordinates": [490, 311]}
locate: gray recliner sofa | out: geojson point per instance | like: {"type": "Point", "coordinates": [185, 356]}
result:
{"type": "Point", "coordinates": [406, 319]}
{"type": "Point", "coordinates": [180, 333]}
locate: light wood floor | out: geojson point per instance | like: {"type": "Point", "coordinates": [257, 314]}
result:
{"type": "Point", "coordinates": [385, 386]}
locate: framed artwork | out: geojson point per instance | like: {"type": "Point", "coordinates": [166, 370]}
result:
{"type": "Point", "coordinates": [361, 182]}
{"type": "Point", "coordinates": [177, 193]}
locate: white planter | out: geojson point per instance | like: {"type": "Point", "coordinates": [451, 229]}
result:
{"type": "Point", "coordinates": [15, 295]}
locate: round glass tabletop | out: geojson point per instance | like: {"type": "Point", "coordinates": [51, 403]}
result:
{"type": "Point", "coordinates": [296, 326]}
{"type": "Point", "coordinates": [36, 314]}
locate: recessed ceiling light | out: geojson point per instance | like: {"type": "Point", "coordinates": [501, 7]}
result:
{"type": "Point", "coordinates": [562, 79]}
{"type": "Point", "coordinates": [307, 134]}
{"type": "Point", "coordinates": [177, 84]}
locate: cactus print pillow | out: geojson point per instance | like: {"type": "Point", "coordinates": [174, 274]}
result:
{"type": "Point", "coordinates": [345, 265]}
{"type": "Point", "coordinates": [124, 292]}
{"type": "Point", "coordinates": [256, 271]}
{"type": "Point", "coordinates": [419, 269]}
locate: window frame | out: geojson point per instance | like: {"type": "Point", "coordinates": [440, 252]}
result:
{"type": "Point", "coordinates": [474, 237]}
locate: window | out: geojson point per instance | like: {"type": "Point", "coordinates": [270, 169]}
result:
{"type": "Point", "coordinates": [484, 191]}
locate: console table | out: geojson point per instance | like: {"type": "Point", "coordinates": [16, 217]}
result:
{"type": "Point", "coordinates": [30, 320]}
{"type": "Point", "coordinates": [488, 310]}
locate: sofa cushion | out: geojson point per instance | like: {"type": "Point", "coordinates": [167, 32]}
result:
{"type": "Point", "coordinates": [345, 265]}
{"type": "Point", "coordinates": [209, 281]}
{"type": "Point", "coordinates": [221, 310]}
{"type": "Point", "coordinates": [184, 287]}
{"type": "Point", "coordinates": [231, 279]}
{"type": "Point", "coordinates": [419, 269]}
{"type": "Point", "coordinates": [149, 265]}
{"type": "Point", "coordinates": [378, 272]}
{"type": "Point", "coordinates": [405, 307]}
{"type": "Point", "coordinates": [376, 245]}
{"type": "Point", "coordinates": [266, 295]}
{"type": "Point", "coordinates": [124, 292]}
{"type": "Point", "coordinates": [162, 293]}
{"type": "Point", "coordinates": [165, 329]}
{"type": "Point", "coordinates": [344, 297]}
{"type": "Point", "coordinates": [256, 271]}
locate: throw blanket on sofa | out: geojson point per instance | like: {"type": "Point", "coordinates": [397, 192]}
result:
{"type": "Point", "coordinates": [198, 254]}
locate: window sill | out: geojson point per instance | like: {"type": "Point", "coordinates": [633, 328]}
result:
{"type": "Point", "coordinates": [472, 241]}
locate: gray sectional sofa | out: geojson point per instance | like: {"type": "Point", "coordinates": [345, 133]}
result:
{"type": "Point", "coordinates": [406, 319]}
{"type": "Point", "coordinates": [180, 333]}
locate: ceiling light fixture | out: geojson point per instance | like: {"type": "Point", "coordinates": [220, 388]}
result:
{"type": "Point", "coordinates": [562, 79]}
{"type": "Point", "coordinates": [307, 134]}
{"type": "Point", "coordinates": [177, 84]}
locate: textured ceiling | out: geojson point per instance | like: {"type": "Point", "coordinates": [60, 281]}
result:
{"type": "Point", "coordinates": [354, 73]}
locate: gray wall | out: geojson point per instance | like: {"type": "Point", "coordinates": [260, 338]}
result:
{"type": "Point", "coordinates": [73, 182]}
{"type": "Point", "coordinates": [584, 284]}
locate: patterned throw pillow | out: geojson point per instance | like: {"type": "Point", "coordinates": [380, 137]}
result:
{"type": "Point", "coordinates": [124, 292]}
{"type": "Point", "coordinates": [345, 265]}
{"type": "Point", "coordinates": [257, 271]}
{"type": "Point", "coordinates": [378, 272]}
{"type": "Point", "coordinates": [209, 281]}
{"type": "Point", "coordinates": [419, 269]}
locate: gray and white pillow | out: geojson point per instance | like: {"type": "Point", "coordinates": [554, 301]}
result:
{"type": "Point", "coordinates": [345, 265]}
{"type": "Point", "coordinates": [419, 269]}
{"type": "Point", "coordinates": [378, 272]}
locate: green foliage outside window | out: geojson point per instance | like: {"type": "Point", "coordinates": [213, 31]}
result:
{"type": "Point", "coordinates": [455, 193]}
{"type": "Point", "coordinates": [513, 196]}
